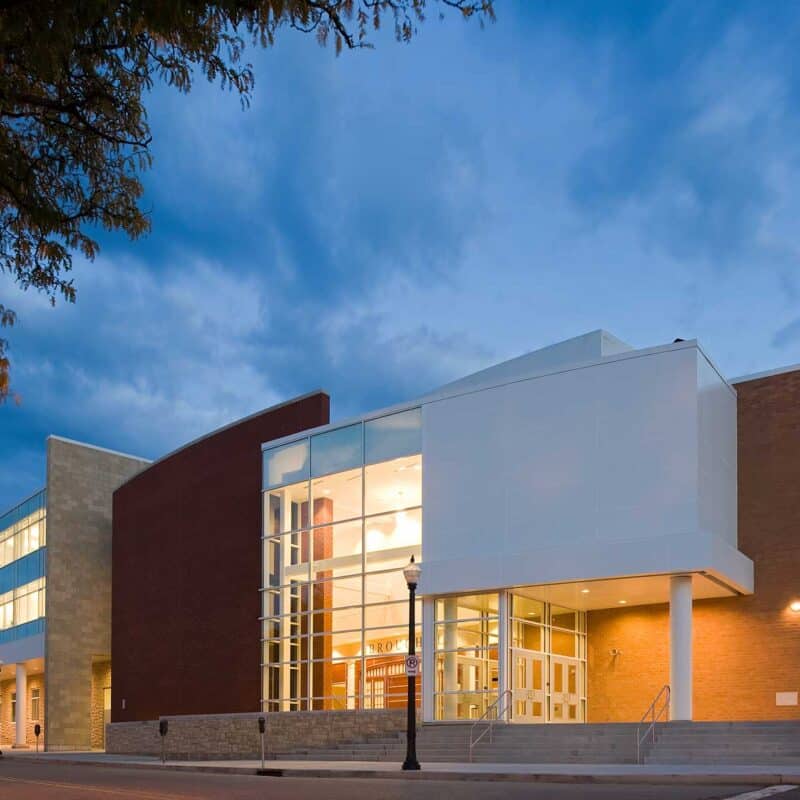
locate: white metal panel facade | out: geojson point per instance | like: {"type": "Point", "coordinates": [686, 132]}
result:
{"type": "Point", "coordinates": [622, 467]}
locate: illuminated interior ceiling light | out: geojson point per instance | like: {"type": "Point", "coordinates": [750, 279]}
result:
{"type": "Point", "coordinates": [584, 591]}
{"type": "Point", "coordinates": [795, 606]}
{"type": "Point", "coordinates": [622, 602]}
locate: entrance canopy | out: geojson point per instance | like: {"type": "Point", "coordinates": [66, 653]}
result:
{"type": "Point", "coordinates": [619, 467]}
{"type": "Point", "coordinates": [621, 592]}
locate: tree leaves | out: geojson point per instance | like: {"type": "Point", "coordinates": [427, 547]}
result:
{"type": "Point", "coordinates": [74, 135]}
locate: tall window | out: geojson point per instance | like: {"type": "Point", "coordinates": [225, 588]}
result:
{"type": "Point", "coordinates": [342, 517]}
{"type": "Point", "coordinates": [466, 661]}
{"type": "Point", "coordinates": [35, 705]}
{"type": "Point", "coordinates": [13, 706]}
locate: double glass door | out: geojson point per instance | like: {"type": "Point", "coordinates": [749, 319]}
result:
{"type": "Point", "coordinates": [527, 691]}
{"type": "Point", "coordinates": [529, 695]}
{"type": "Point", "coordinates": [565, 699]}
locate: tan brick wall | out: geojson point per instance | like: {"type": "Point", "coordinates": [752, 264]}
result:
{"type": "Point", "coordinates": [101, 678]}
{"type": "Point", "coordinates": [745, 648]}
{"type": "Point", "coordinates": [80, 483]}
{"type": "Point", "coordinates": [230, 736]}
{"type": "Point", "coordinates": [7, 727]}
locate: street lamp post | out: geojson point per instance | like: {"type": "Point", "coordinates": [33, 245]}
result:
{"type": "Point", "coordinates": [411, 574]}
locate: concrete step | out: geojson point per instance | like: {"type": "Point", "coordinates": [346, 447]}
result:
{"type": "Point", "coordinates": [712, 748]}
{"type": "Point", "coordinates": [726, 760]}
{"type": "Point", "coordinates": [690, 743]}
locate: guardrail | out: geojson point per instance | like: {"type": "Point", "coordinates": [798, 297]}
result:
{"type": "Point", "coordinates": [658, 708]}
{"type": "Point", "coordinates": [486, 718]}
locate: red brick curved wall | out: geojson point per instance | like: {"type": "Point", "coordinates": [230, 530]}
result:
{"type": "Point", "coordinates": [186, 561]}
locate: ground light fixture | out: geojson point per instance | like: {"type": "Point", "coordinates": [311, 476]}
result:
{"type": "Point", "coordinates": [795, 606]}
{"type": "Point", "coordinates": [411, 573]}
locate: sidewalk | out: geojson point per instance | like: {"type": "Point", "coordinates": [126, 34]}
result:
{"type": "Point", "coordinates": [544, 773]}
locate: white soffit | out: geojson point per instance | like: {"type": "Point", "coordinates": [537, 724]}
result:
{"type": "Point", "coordinates": [621, 592]}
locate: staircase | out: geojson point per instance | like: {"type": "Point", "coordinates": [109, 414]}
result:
{"type": "Point", "coordinates": [511, 744]}
{"type": "Point", "coordinates": [726, 743]}
{"type": "Point", "coordinates": [750, 743]}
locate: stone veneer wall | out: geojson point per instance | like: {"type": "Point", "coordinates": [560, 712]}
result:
{"type": "Point", "coordinates": [232, 736]}
{"type": "Point", "coordinates": [7, 727]}
{"type": "Point", "coordinates": [80, 483]}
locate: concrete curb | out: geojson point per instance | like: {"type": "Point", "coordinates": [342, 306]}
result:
{"type": "Point", "coordinates": [653, 778]}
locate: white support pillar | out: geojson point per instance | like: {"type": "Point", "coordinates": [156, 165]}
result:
{"type": "Point", "coordinates": [450, 675]}
{"type": "Point", "coordinates": [20, 739]}
{"type": "Point", "coordinates": [428, 663]}
{"type": "Point", "coordinates": [503, 650]}
{"type": "Point", "coordinates": [680, 647]}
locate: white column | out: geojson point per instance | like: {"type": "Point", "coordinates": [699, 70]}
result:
{"type": "Point", "coordinates": [502, 650]}
{"type": "Point", "coordinates": [21, 709]}
{"type": "Point", "coordinates": [680, 647]}
{"type": "Point", "coordinates": [351, 685]}
{"type": "Point", "coordinates": [284, 627]}
{"type": "Point", "coordinates": [451, 658]}
{"type": "Point", "coordinates": [428, 663]}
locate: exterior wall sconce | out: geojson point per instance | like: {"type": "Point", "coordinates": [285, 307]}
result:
{"type": "Point", "coordinates": [795, 606]}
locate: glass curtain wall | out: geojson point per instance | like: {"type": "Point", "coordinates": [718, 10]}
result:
{"type": "Point", "coordinates": [342, 517]}
{"type": "Point", "coordinates": [466, 645]}
{"type": "Point", "coordinates": [22, 604]}
{"type": "Point", "coordinates": [22, 530]}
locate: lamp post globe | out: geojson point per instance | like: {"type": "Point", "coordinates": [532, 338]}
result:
{"type": "Point", "coordinates": [411, 573]}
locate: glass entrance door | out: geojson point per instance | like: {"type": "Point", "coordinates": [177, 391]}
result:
{"type": "Point", "coordinates": [527, 689]}
{"type": "Point", "coordinates": [565, 700]}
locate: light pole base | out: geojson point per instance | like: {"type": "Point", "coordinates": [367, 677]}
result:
{"type": "Point", "coordinates": [411, 765]}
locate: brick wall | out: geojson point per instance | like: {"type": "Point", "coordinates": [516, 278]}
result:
{"type": "Point", "coordinates": [101, 679]}
{"type": "Point", "coordinates": [187, 571]}
{"type": "Point", "coordinates": [7, 727]}
{"type": "Point", "coordinates": [745, 648]}
{"type": "Point", "coordinates": [232, 736]}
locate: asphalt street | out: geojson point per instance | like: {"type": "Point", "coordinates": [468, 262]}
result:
{"type": "Point", "coordinates": [37, 781]}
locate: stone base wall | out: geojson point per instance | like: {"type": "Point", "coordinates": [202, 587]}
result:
{"type": "Point", "coordinates": [8, 729]}
{"type": "Point", "coordinates": [235, 736]}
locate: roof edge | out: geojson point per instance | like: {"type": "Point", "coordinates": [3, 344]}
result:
{"type": "Point", "coordinates": [768, 373]}
{"type": "Point", "coordinates": [96, 447]}
{"type": "Point", "coordinates": [229, 425]}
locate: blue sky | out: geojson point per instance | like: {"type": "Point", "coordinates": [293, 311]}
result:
{"type": "Point", "coordinates": [383, 222]}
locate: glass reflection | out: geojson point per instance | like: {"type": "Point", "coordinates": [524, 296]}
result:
{"type": "Point", "coordinates": [336, 602]}
{"type": "Point", "coordinates": [336, 451]}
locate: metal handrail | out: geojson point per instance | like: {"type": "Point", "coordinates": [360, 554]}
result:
{"type": "Point", "coordinates": [489, 721]}
{"type": "Point", "coordinates": [654, 713]}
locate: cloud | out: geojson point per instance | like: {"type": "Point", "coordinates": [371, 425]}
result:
{"type": "Point", "coordinates": [384, 222]}
{"type": "Point", "coordinates": [689, 147]}
{"type": "Point", "coordinates": [788, 334]}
